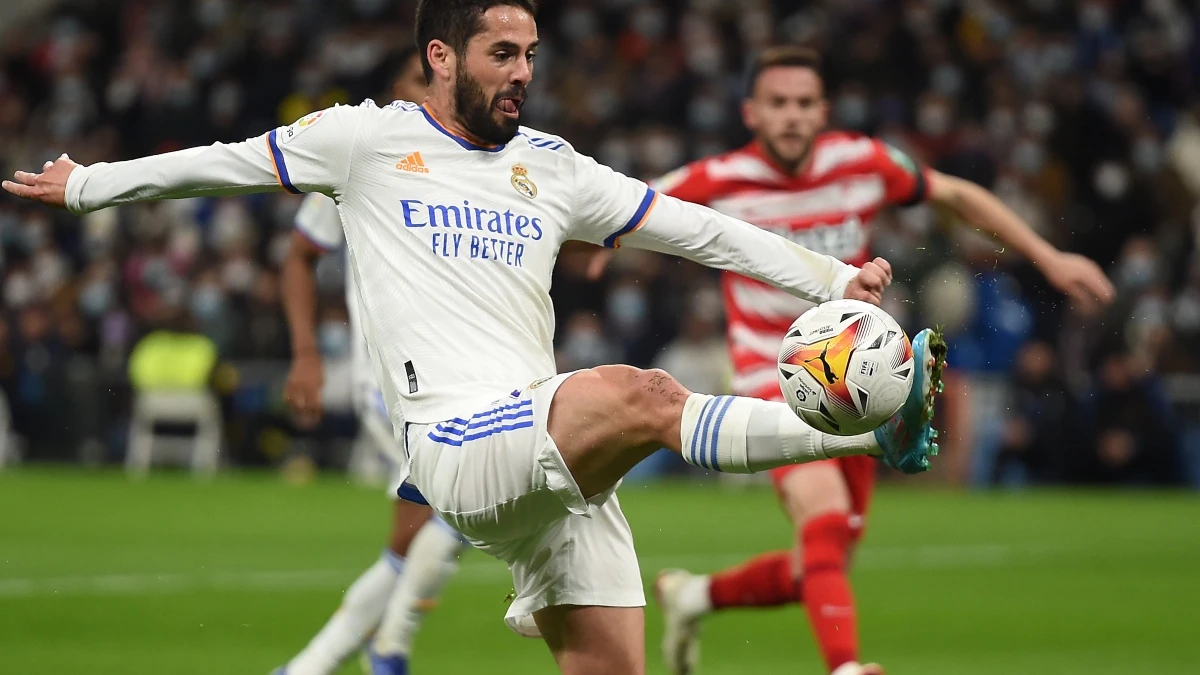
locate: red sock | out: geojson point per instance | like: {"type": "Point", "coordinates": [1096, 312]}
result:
{"type": "Point", "coordinates": [765, 581]}
{"type": "Point", "coordinates": [829, 600]}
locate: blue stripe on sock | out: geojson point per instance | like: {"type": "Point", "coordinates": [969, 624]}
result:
{"type": "Point", "coordinates": [711, 409]}
{"type": "Point", "coordinates": [726, 402]}
{"type": "Point", "coordinates": [695, 458]}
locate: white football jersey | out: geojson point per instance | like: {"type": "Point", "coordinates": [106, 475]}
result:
{"type": "Point", "coordinates": [452, 244]}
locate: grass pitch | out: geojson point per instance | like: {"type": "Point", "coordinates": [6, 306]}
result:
{"type": "Point", "coordinates": [100, 575]}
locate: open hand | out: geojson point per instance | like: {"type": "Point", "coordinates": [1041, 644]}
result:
{"type": "Point", "coordinates": [871, 280]}
{"type": "Point", "coordinates": [1081, 280]}
{"type": "Point", "coordinates": [48, 187]}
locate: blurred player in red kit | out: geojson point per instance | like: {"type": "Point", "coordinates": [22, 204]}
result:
{"type": "Point", "coordinates": [822, 189]}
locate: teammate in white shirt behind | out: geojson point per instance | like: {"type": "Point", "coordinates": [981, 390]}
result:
{"type": "Point", "coordinates": [453, 217]}
{"type": "Point", "coordinates": [389, 600]}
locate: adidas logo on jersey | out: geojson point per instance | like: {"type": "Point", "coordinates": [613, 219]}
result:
{"type": "Point", "coordinates": [413, 163]}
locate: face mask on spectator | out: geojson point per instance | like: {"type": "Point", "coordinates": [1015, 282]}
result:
{"type": "Point", "coordinates": [706, 113]}
{"type": "Point", "coordinates": [1038, 118]}
{"type": "Point", "coordinates": [1001, 125]}
{"type": "Point", "coordinates": [579, 23]}
{"type": "Point", "coordinates": [210, 13]}
{"type": "Point", "coordinates": [1111, 181]}
{"type": "Point", "coordinates": [238, 275]}
{"type": "Point", "coordinates": [628, 307]}
{"type": "Point", "coordinates": [96, 299]}
{"type": "Point", "coordinates": [334, 338]}
{"type": "Point", "coordinates": [370, 8]}
{"type": "Point", "coordinates": [617, 152]}
{"type": "Point", "coordinates": [1093, 16]}
{"type": "Point", "coordinates": [1147, 155]}
{"type": "Point", "coordinates": [650, 23]}
{"type": "Point", "coordinates": [1186, 312]}
{"type": "Point", "coordinates": [705, 58]}
{"type": "Point", "coordinates": [207, 302]}
{"type": "Point", "coordinates": [19, 290]}
{"type": "Point", "coordinates": [203, 63]}
{"type": "Point", "coordinates": [933, 119]}
{"type": "Point", "coordinates": [661, 152]}
{"type": "Point", "coordinates": [35, 235]}
{"type": "Point", "coordinates": [1136, 271]}
{"type": "Point", "coordinates": [1028, 157]}
{"type": "Point", "coordinates": [585, 348]}
{"type": "Point", "coordinates": [852, 111]}
{"type": "Point", "coordinates": [225, 101]}
{"type": "Point", "coordinates": [947, 79]}
{"type": "Point", "coordinates": [49, 271]}
{"type": "Point", "coordinates": [1058, 58]}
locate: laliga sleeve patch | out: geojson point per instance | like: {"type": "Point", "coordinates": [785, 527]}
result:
{"type": "Point", "coordinates": [300, 125]}
{"type": "Point", "coordinates": [900, 159]}
{"type": "Point", "coordinates": [670, 181]}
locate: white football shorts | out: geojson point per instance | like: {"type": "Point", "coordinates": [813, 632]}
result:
{"type": "Point", "coordinates": [496, 476]}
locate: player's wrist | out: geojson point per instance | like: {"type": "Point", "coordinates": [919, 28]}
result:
{"type": "Point", "coordinates": [306, 353]}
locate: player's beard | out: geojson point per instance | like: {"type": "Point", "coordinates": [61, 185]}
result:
{"type": "Point", "coordinates": [478, 114]}
{"type": "Point", "coordinates": [793, 163]}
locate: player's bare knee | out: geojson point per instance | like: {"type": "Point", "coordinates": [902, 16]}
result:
{"type": "Point", "coordinates": [651, 400]}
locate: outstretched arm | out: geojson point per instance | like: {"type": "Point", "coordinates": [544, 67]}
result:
{"type": "Point", "coordinates": [303, 157]}
{"type": "Point", "coordinates": [613, 210]}
{"type": "Point", "coordinates": [1076, 276]}
{"type": "Point", "coordinates": [703, 235]}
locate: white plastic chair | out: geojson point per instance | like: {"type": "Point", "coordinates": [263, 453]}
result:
{"type": "Point", "coordinates": [175, 407]}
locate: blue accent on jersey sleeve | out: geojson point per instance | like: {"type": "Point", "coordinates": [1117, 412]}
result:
{"type": "Point", "coordinates": [634, 221]}
{"type": "Point", "coordinates": [280, 165]}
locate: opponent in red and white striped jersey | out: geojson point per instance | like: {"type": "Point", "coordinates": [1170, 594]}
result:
{"type": "Point", "coordinates": [827, 206]}
{"type": "Point", "coordinates": [822, 190]}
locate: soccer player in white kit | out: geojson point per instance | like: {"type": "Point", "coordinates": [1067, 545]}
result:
{"type": "Point", "coordinates": [390, 598]}
{"type": "Point", "coordinates": [453, 216]}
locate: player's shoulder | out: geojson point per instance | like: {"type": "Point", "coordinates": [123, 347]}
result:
{"type": "Point", "coordinates": [741, 165]}
{"type": "Point", "coordinates": [843, 150]}
{"type": "Point", "coordinates": [394, 112]}
{"type": "Point", "coordinates": [551, 152]}
{"type": "Point", "coordinates": [541, 140]}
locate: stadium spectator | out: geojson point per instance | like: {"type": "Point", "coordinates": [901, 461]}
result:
{"type": "Point", "coordinates": [1082, 116]}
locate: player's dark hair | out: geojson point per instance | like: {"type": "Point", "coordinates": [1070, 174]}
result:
{"type": "Point", "coordinates": [785, 56]}
{"type": "Point", "coordinates": [455, 22]}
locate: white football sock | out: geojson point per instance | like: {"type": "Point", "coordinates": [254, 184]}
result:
{"type": "Point", "coordinates": [347, 630]}
{"type": "Point", "coordinates": [432, 560]}
{"type": "Point", "coordinates": [736, 434]}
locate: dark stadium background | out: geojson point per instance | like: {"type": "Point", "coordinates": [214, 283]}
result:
{"type": "Point", "coordinates": [1083, 116]}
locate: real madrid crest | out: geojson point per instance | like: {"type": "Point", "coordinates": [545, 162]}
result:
{"type": "Point", "coordinates": [521, 183]}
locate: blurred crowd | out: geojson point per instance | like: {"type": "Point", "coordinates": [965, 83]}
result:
{"type": "Point", "coordinates": [1081, 115]}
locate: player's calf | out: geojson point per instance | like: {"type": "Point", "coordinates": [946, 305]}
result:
{"type": "Point", "coordinates": [407, 520]}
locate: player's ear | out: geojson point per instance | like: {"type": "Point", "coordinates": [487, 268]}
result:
{"type": "Point", "coordinates": [441, 59]}
{"type": "Point", "coordinates": [749, 114]}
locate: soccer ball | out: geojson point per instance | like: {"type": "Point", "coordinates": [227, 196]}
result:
{"type": "Point", "coordinates": [845, 367]}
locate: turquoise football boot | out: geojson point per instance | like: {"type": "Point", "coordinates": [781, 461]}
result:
{"type": "Point", "coordinates": [908, 439]}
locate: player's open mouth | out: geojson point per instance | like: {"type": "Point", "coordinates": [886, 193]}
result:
{"type": "Point", "coordinates": [509, 107]}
